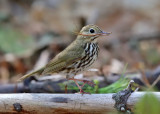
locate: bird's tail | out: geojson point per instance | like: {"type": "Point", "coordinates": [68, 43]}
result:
{"type": "Point", "coordinates": [39, 71]}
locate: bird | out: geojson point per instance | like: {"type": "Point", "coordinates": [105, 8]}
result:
{"type": "Point", "coordinates": [76, 58]}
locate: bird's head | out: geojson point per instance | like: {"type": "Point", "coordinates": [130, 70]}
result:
{"type": "Point", "coordinates": [90, 33]}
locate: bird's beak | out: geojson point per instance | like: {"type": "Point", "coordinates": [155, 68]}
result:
{"type": "Point", "coordinates": [106, 33]}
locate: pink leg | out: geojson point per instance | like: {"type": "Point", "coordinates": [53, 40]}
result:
{"type": "Point", "coordinates": [80, 88]}
{"type": "Point", "coordinates": [84, 82]}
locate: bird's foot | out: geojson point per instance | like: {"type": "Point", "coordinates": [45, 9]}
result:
{"type": "Point", "coordinates": [82, 92]}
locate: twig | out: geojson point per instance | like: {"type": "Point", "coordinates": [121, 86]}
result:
{"type": "Point", "coordinates": [155, 82]}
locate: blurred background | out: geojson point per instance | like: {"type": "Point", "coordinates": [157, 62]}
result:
{"type": "Point", "coordinates": [34, 31]}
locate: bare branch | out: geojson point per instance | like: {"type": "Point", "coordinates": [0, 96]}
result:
{"type": "Point", "coordinates": [62, 103]}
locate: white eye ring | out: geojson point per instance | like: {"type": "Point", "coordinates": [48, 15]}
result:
{"type": "Point", "coordinates": [92, 30]}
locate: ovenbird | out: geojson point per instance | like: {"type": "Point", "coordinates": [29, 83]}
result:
{"type": "Point", "coordinates": [76, 58]}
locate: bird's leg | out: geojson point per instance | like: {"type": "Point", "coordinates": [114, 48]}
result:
{"type": "Point", "coordinates": [80, 88]}
{"type": "Point", "coordinates": [83, 85]}
{"type": "Point", "coordinates": [84, 82]}
{"type": "Point", "coordinates": [88, 82]}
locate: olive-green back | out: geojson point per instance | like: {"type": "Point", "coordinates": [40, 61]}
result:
{"type": "Point", "coordinates": [72, 53]}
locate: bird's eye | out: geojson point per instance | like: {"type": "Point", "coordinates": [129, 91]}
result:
{"type": "Point", "coordinates": [92, 30]}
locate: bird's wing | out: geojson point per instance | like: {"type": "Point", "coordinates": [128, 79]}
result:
{"type": "Point", "coordinates": [63, 59]}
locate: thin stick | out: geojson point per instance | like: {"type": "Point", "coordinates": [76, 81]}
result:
{"type": "Point", "coordinates": [155, 82]}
